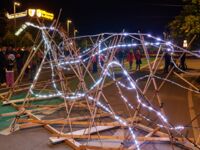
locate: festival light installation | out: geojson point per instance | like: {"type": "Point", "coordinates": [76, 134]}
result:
{"type": "Point", "coordinates": [79, 62]}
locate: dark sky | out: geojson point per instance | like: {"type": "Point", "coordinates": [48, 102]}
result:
{"type": "Point", "coordinates": [95, 16]}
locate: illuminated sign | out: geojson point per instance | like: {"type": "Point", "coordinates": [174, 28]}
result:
{"type": "Point", "coordinates": [44, 14]}
{"type": "Point", "coordinates": [40, 14]}
{"type": "Point", "coordinates": [31, 12]}
{"type": "Point", "coordinates": [16, 15]}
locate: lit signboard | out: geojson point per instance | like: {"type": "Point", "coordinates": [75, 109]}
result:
{"type": "Point", "coordinates": [40, 14]}
{"type": "Point", "coordinates": [32, 13]}
{"type": "Point", "coordinates": [16, 15]}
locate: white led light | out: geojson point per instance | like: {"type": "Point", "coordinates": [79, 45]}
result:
{"type": "Point", "coordinates": [158, 39]}
{"type": "Point", "coordinates": [168, 43]}
{"type": "Point", "coordinates": [106, 71]}
{"type": "Point", "coordinates": [157, 43]}
{"type": "Point", "coordinates": [149, 35]}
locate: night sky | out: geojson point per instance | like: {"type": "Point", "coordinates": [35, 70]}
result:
{"type": "Point", "coordinates": [96, 16]}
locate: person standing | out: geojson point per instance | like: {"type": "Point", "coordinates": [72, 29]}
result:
{"type": "Point", "coordinates": [167, 58]}
{"type": "Point", "coordinates": [39, 57]}
{"type": "Point", "coordinates": [26, 52]}
{"type": "Point", "coordinates": [19, 60]}
{"type": "Point", "coordinates": [182, 61]}
{"type": "Point", "coordinates": [94, 62]}
{"type": "Point", "coordinates": [102, 59]}
{"type": "Point", "coordinates": [33, 68]}
{"type": "Point", "coordinates": [121, 56]}
{"type": "Point", "coordinates": [2, 66]}
{"type": "Point", "coordinates": [130, 58]}
{"type": "Point", "coordinates": [138, 60]}
{"type": "Point", "coordinates": [10, 69]}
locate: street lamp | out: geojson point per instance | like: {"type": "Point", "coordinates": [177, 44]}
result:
{"type": "Point", "coordinates": [185, 43]}
{"type": "Point", "coordinates": [14, 9]}
{"type": "Point", "coordinates": [75, 31]}
{"type": "Point", "coordinates": [68, 22]}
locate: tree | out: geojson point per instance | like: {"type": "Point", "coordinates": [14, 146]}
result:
{"type": "Point", "coordinates": [26, 40]}
{"type": "Point", "coordinates": [3, 23]}
{"type": "Point", "coordinates": [8, 39]}
{"type": "Point", "coordinates": [187, 24]}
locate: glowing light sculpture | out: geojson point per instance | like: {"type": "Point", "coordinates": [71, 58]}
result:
{"type": "Point", "coordinates": [89, 93]}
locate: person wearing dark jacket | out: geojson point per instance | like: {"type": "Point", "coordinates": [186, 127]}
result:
{"type": "Point", "coordinates": [2, 66]}
{"type": "Point", "coordinates": [138, 60]}
{"type": "Point", "coordinates": [182, 61]}
{"type": "Point", "coordinates": [25, 56]}
{"type": "Point", "coordinates": [19, 59]}
{"type": "Point", "coordinates": [167, 58]}
{"type": "Point", "coordinates": [121, 56]}
{"type": "Point", "coordinates": [130, 58]}
{"type": "Point", "coordinates": [33, 68]}
{"type": "Point", "coordinates": [94, 64]}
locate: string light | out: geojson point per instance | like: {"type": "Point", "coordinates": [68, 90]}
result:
{"type": "Point", "coordinates": [106, 69]}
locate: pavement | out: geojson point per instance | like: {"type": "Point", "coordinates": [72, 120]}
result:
{"type": "Point", "coordinates": [29, 139]}
{"type": "Point", "coordinates": [180, 105]}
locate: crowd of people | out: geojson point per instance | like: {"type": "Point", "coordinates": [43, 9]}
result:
{"type": "Point", "coordinates": [169, 62]}
{"type": "Point", "coordinates": [122, 56]}
{"type": "Point", "coordinates": [135, 55]}
{"type": "Point", "coordinates": [12, 61]}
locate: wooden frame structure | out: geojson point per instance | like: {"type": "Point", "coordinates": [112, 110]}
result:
{"type": "Point", "coordinates": [89, 94]}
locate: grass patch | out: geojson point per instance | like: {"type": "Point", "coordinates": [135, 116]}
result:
{"type": "Point", "coordinates": [6, 121]}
